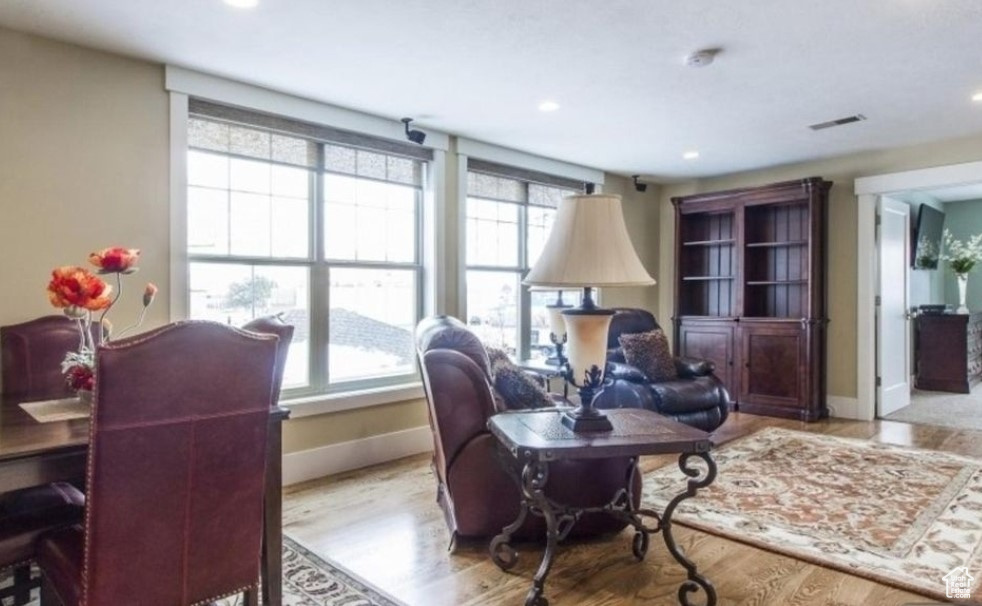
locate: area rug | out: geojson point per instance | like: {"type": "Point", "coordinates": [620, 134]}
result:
{"type": "Point", "coordinates": [900, 516]}
{"type": "Point", "coordinates": [309, 580]}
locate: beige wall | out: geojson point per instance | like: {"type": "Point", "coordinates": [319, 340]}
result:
{"type": "Point", "coordinates": [643, 221]}
{"type": "Point", "coordinates": [842, 238]}
{"type": "Point", "coordinates": [83, 165]}
{"type": "Point", "coordinates": [321, 430]}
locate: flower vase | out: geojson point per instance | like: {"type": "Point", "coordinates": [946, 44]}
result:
{"type": "Point", "coordinates": [962, 280]}
{"type": "Point", "coordinates": [84, 396]}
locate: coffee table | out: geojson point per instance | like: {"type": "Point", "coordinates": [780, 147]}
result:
{"type": "Point", "coordinates": [537, 437]}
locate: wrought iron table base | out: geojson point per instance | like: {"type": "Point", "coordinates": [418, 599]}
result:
{"type": "Point", "coordinates": [560, 520]}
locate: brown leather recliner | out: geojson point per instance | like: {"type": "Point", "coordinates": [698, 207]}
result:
{"type": "Point", "coordinates": [697, 398]}
{"type": "Point", "coordinates": [476, 493]}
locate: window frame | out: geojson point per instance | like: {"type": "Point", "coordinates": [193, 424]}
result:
{"type": "Point", "coordinates": [316, 262]}
{"type": "Point", "coordinates": [524, 303]}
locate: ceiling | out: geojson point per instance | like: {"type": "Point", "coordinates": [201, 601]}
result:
{"type": "Point", "coordinates": [628, 104]}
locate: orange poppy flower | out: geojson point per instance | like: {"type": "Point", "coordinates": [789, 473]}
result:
{"type": "Point", "coordinates": [115, 259]}
{"type": "Point", "coordinates": [76, 287]}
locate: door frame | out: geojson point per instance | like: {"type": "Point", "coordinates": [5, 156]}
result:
{"type": "Point", "coordinates": [867, 191]}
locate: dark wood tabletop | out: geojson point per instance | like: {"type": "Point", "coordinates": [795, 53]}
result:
{"type": "Point", "coordinates": [22, 436]}
{"type": "Point", "coordinates": [636, 432]}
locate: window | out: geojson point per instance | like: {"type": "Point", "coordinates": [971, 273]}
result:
{"type": "Point", "coordinates": [508, 221]}
{"type": "Point", "coordinates": [283, 220]}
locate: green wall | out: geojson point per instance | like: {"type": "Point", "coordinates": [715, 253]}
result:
{"type": "Point", "coordinates": [964, 220]}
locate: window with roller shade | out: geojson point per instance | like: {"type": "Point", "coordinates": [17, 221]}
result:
{"type": "Point", "coordinates": [509, 215]}
{"type": "Point", "coordinates": [318, 225]}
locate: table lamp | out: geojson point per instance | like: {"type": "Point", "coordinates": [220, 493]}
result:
{"type": "Point", "coordinates": [557, 325]}
{"type": "Point", "coordinates": [588, 247]}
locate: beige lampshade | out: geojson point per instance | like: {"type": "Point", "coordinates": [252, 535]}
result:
{"type": "Point", "coordinates": [589, 246]}
{"type": "Point", "coordinates": [557, 325]}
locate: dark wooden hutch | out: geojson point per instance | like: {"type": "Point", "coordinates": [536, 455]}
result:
{"type": "Point", "coordinates": [750, 293]}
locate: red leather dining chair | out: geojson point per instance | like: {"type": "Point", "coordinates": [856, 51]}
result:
{"type": "Point", "coordinates": [30, 369]}
{"type": "Point", "coordinates": [273, 325]}
{"type": "Point", "coordinates": [175, 475]}
{"type": "Point", "coordinates": [31, 356]}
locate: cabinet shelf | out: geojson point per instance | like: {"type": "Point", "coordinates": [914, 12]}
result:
{"type": "Point", "coordinates": [777, 244]}
{"type": "Point", "coordinates": [704, 278]}
{"type": "Point", "coordinates": [708, 242]}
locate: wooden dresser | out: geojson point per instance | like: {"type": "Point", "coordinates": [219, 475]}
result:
{"type": "Point", "coordinates": [948, 352]}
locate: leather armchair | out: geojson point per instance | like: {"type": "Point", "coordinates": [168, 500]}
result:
{"type": "Point", "coordinates": [478, 496]}
{"type": "Point", "coordinates": [697, 398]}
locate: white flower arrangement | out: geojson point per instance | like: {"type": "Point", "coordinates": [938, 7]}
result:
{"type": "Point", "coordinates": [961, 256]}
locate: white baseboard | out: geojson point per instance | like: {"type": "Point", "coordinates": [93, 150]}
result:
{"type": "Point", "coordinates": [345, 456]}
{"type": "Point", "coordinates": [844, 408]}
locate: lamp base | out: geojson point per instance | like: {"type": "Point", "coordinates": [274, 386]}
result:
{"type": "Point", "coordinates": [586, 420]}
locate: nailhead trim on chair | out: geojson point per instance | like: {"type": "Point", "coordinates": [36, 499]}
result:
{"type": "Point", "coordinates": [225, 595]}
{"type": "Point", "coordinates": [89, 468]}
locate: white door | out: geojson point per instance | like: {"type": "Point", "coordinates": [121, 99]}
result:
{"type": "Point", "coordinates": [892, 319]}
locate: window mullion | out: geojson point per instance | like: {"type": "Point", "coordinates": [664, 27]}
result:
{"type": "Point", "coordinates": [524, 300]}
{"type": "Point", "coordinates": [319, 282]}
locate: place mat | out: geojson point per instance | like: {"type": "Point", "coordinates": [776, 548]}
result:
{"type": "Point", "coordinates": [52, 411]}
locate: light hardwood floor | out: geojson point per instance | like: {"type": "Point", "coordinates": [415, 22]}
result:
{"type": "Point", "coordinates": [383, 524]}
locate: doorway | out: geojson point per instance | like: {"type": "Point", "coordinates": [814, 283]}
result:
{"type": "Point", "coordinates": [914, 386]}
{"type": "Point", "coordinates": [868, 192]}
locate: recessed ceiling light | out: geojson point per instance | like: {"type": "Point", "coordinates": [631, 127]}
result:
{"type": "Point", "coordinates": [242, 3]}
{"type": "Point", "coordinates": [977, 97]}
{"type": "Point", "coordinates": [690, 155]}
{"type": "Point", "coordinates": [548, 106]}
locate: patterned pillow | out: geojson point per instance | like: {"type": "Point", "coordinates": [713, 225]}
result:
{"type": "Point", "coordinates": [496, 357]}
{"type": "Point", "coordinates": [513, 386]}
{"type": "Point", "coordinates": [519, 390]}
{"type": "Point", "coordinates": [649, 352]}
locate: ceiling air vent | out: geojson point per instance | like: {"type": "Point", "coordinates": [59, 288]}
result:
{"type": "Point", "coordinates": [839, 122]}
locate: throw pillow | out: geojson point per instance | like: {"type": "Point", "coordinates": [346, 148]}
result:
{"type": "Point", "coordinates": [496, 357]}
{"type": "Point", "coordinates": [649, 352]}
{"type": "Point", "coordinates": [518, 390]}
{"type": "Point", "coordinates": [513, 386]}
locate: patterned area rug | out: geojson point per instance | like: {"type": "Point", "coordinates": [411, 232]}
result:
{"type": "Point", "coordinates": [309, 580]}
{"type": "Point", "coordinates": [897, 515]}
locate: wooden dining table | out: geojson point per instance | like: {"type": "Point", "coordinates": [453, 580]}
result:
{"type": "Point", "coordinates": [34, 454]}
